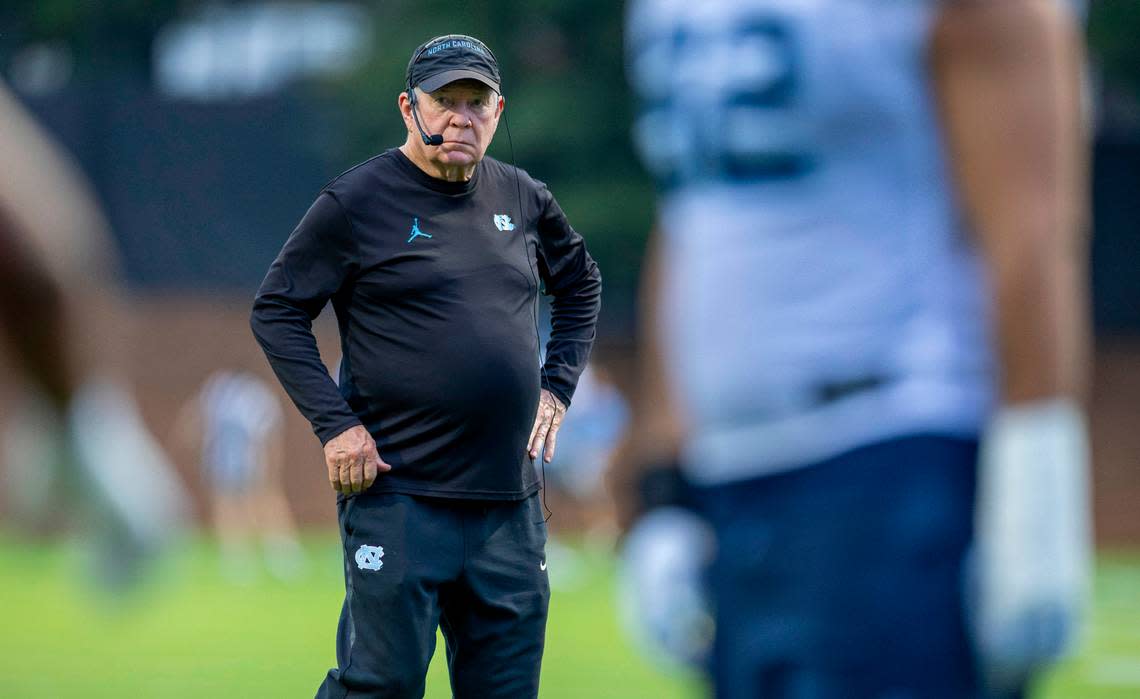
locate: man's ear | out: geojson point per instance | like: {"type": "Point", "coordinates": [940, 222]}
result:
{"type": "Point", "coordinates": [405, 106]}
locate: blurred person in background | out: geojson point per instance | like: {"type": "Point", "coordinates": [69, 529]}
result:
{"type": "Point", "coordinates": [588, 437]}
{"type": "Point", "coordinates": [432, 256]}
{"type": "Point", "coordinates": [574, 480]}
{"type": "Point", "coordinates": [865, 336]}
{"type": "Point", "coordinates": [236, 422]}
{"type": "Point", "coordinates": [82, 445]}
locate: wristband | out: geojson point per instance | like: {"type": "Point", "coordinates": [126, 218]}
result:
{"type": "Point", "coordinates": [1032, 558]}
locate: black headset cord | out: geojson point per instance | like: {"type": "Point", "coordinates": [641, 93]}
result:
{"type": "Point", "coordinates": [534, 305]}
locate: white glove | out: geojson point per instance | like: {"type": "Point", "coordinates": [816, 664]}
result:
{"type": "Point", "coordinates": [1032, 558]}
{"type": "Point", "coordinates": [662, 598]}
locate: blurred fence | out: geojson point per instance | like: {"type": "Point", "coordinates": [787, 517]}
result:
{"type": "Point", "coordinates": [200, 195]}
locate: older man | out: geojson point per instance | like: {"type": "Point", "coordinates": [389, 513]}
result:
{"type": "Point", "coordinates": [432, 256]}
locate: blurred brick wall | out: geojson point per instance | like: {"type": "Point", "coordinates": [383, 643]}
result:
{"type": "Point", "coordinates": [1115, 424]}
{"type": "Point", "coordinates": [185, 340]}
{"type": "Point", "coordinates": [178, 341]}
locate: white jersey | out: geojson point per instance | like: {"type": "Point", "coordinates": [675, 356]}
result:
{"type": "Point", "coordinates": [238, 412]}
{"type": "Point", "coordinates": [821, 290]}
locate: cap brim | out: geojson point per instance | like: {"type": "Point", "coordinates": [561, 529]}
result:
{"type": "Point", "coordinates": [449, 76]}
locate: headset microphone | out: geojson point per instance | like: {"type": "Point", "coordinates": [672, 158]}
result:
{"type": "Point", "coordinates": [429, 140]}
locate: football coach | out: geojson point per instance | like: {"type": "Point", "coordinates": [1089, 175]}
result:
{"type": "Point", "coordinates": [432, 255]}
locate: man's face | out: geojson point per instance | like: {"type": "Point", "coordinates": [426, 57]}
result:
{"type": "Point", "coordinates": [465, 112]}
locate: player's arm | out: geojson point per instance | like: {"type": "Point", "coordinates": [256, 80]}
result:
{"type": "Point", "coordinates": [1008, 76]}
{"type": "Point", "coordinates": [55, 262]}
{"type": "Point", "coordinates": [664, 542]}
{"type": "Point", "coordinates": [655, 433]}
{"type": "Point", "coordinates": [32, 316]}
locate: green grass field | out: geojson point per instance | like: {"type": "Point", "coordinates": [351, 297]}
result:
{"type": "Point", "coordinates": [193, 634]}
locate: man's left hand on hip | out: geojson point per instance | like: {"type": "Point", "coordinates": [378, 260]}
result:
{"type": "Point", "coordinates": [546, 424]}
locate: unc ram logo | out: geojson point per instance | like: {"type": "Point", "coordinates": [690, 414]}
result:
{"type": "Point", "coordinates": [368, 557]}
{"type": "Point", "coordinates": [503, 222]}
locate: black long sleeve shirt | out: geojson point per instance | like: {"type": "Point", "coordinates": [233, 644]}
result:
{"type": "Point", "coordinates": [434, 286]}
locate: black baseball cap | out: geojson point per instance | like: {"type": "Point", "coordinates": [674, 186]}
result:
{"type": "Point", "coordinates": [452, 57]}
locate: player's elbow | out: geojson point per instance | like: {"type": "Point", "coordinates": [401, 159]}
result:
{"type": "Point", "coordinates": [1021, 227]}
{"type": "Point", "coordinates": [1002, 33]}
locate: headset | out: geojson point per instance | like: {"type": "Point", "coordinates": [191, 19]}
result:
{"type": "Point", "coordinates": [429, 140]}
{"type": "Point", "coordinates": [437, 140]}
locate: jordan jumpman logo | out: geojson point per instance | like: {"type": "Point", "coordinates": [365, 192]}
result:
{"type": "Point", "coordinates": [416, 232]}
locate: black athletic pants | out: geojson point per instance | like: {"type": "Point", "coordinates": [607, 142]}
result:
{"type": "Point", "coordinates": [476, 569]}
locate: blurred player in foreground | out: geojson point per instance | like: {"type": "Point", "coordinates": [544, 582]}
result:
{"type": "Point", "coordinates": [236, 422]}
{"type": "Point", "coordinates": [62, 324]}
{"type": "Point", "coordinates": [865, 334]}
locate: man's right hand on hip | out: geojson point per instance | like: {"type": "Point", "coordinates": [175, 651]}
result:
{"type": "Point", "coordinates": [353, 461]}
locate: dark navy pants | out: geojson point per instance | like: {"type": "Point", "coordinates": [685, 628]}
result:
{"type": "Point", "coordinates": [476, 570]}
{"type": "Point", "coordinates": [845, 579]}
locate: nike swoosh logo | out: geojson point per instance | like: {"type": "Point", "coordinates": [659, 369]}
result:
{"type": "Point", "coordinates": [542, 566]}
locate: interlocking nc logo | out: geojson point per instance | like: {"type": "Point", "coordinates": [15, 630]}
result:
{"type": "Point", "coordinates": [368, 557]}
{"type": "Point", "coordinates": [503, 222]}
